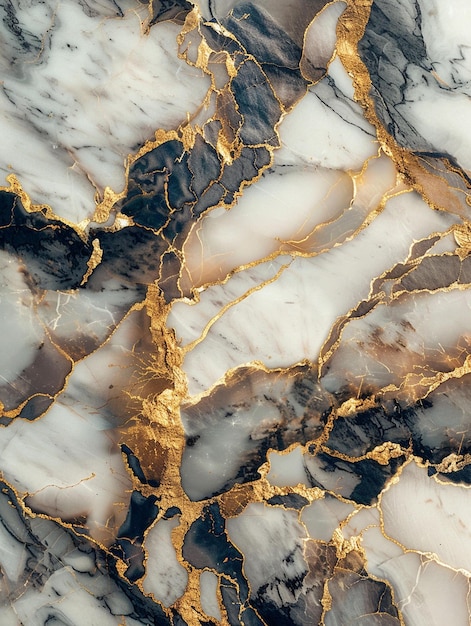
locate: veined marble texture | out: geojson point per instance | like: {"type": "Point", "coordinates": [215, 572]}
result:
{"type": "Point", "coordinates": [235, 358]}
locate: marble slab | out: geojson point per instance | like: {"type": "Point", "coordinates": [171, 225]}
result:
{"type": "Point", "coordinates": [235, 347]}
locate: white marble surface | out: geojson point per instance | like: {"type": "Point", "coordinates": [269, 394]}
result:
{"type": "Point", "coordinates": [82, 88]}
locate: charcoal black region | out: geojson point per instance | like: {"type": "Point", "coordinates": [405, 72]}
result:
{"type": "Point", "coordinates": [354, 596]}
{"type": "Point", "coordinates": [141, 514]}
{"type": "Point", "coordinates": [358, 434]}
{"type": "Point", "coordinates": [237, 614]}
{"type": "Point", "coordinates": [169, 188]}
{"type": "Point", "coordinates": [206, 545]}
{"type": "Point", "coordinates": [146, 611]}
{"type": "Point", "coordinates": [459, 476]}
{"type": "Point", "coordinates": [290, 501]}
{"type": "Point", "coordinates": [55, 256]}
{"type": "Point", "coordinates": [395, 54]}
{"type": "Point", "coordinates": [371, 476]}
{"type": "Point", "coordinates": [272, 614]}
{"type": "Point", "coordinates": [132, 255]}
{"type": "Point", "coordinates": [168, 10]}
{"type": "Point", "coordinates": [391, 45]}
{"type": "Point", "coordinates": [255, 30]}
{"type": "Point", "coordinates": [172, 512]}
{"type": "Point", "coordinates": [177, 620]}
{"type": "Point", "coordinates": [407, 426]}
{"type": "Point", "coordinates": [277, 54]}
{"type": "Point", "coordinates": [352, 438]}
{"type": "Point", "coordinates": [37, 405]}
{"type": "Point", "coordinates": [291, 427]}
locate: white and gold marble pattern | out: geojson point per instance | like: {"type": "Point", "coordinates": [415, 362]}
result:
{"type": "Point", "coordinates": [235, 283]}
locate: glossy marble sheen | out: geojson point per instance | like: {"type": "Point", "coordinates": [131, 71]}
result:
{"type": "Point", "coordinates": [235, 358]}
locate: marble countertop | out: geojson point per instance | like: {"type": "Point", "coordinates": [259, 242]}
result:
{"type": "Point", "coordinates": [235, 358]}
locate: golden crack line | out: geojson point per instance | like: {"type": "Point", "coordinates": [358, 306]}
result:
{"type": "Point", "coordinates": [382, 453]}
{"type": "Point", "coordinates": [188, 347]}
{"type": "Point", "coordinates": [280, 251]}
{"type": "Point", "coordinates": [163, 419]}
{"type": "Point", "coordinates": [17, 189]}
{"type": "Point", "coordinates": [303, 57]}
{"type": "Point", "coordinates": [94, 261]}
{"type": "Point", "coordinates": [345, 546]}
{"type": "Point", "coordinates": [29, 512]}
{"type": "Point", "coordinates": [377, 297]}
{"type": "Point", "coordinates": [427, 555]}
{"type": "Point", "coordinates": [137, 306]}
{"type": "Point", "coordinates": [14, 413]}
{"type": "Point", "coordinates": [350, 29]}
{"type": "Point", "coordinates": [432, 381]}
{"type": "Point", "coordinates": [454, 286]}
{"type": "Point", "coordinates": [233, 371]}
{"type": "Point", "coordinates": [32, 494]}
{"type": "Point", "coordinates": [294, 253]}
{"type": "Point", "coordinates": [338, 326]}
{"type": "Point", "coordinates": [196, 291]}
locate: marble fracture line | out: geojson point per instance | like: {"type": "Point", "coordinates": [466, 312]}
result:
{"type": "Point", "coordinates": [291, 412]}
{"type": "Point", "coordinates": [363, 386]}
{"type": "Point", "coordinates": [388, 543]}
{"type": "Point", "coordinates": [108, 245]}
{"type": "Point", "coordinates": [80, 133]}
{"type": "Point", "coordinates": [55, 330]}
{"type": "Point", "coordinates": [308, 280]}
{"type": "Point", "coordinates": [174, 462]}
{"type": "Point", "coordinates": [437, 353]}
{"type": "Point", "coordinates": [339, 186]}
{"type": "Point", "coordinates": [331, 207]}
{"type": "Point", "coordinates": [189, 512]}
{"type": "Point", "coordinates": [91, 492]}
{"type": "Point", "coordinates": [314, 571]}
{"type": "Point", "coordinates": [422, 271]}
{"type": "Point", "coordinates": [153, 446]}
{"type": "Point", "coordinates": [387, 68]}
{"type": "Point", "coordinates": [177, 178]}
{"type": "Point", "coordinates": [402, 589]}
{"type": "Point", "coordinates": [156, 418]}
{"type": "Point", "coordinates": [424, 570]}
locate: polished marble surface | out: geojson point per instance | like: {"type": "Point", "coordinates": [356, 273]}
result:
{"type": "Point", "coordinates": [235, 271]}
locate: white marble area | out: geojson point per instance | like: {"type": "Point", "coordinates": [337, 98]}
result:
{"type": "Point", "coordinates": [165, 578]}
{"type": "Point", "coordinates": [328, 285]}
{"type": "Point", "coordinates": [425, 570]}
{"type": "Point", "coordinates": [82, 89]}
{"type": "Point", "coordinates": [439, 102]}
{"type": "Point", "coordinates": [276, 534]}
